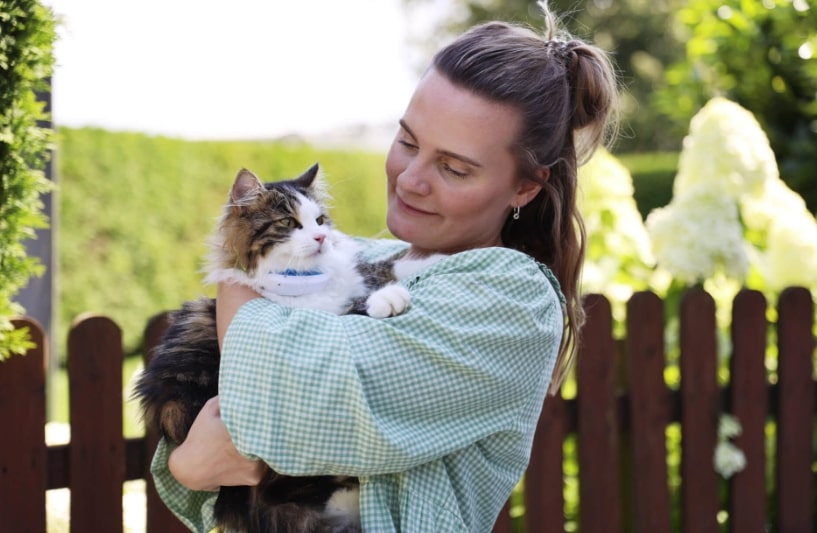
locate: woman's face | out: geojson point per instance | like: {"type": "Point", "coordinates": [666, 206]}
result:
{"type": "Point", "coordinates": [451, 176]}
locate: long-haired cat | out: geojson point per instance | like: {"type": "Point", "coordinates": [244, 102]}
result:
{"type": "Point", "coordinates": [276, 238]}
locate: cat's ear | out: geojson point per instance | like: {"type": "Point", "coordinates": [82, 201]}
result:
{"type": "Point", "coordinates": [313, 180]}
{"type": "Point", "coordinates": [245, 187]}
{"type": "Point", "coordinates": [306, 179]}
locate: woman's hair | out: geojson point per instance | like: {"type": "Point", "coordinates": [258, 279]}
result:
{"type": "Point", "coordinates": [566, 92]}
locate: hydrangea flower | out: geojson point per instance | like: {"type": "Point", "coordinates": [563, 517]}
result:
{"type": "Point", "coordinates": [698, 235]}
{"type": "Point", "coordinates": [727, 167]}
{"type": "Point", "coordinates": [791, 251]}
{"type": "Point", "coordinates": [728, 458]}
{"type": "Point", "coordinates": [759, 212]}
{"type": "Point", "coordinates": [729, 427]}
{"type": "Point", "coordinates": [725, 149]}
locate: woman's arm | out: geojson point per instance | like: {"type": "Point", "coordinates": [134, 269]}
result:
{"type": "Point", "coordinates": [229, 300]}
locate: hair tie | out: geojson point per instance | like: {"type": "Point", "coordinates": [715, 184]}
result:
{"type": "Point", "coordinates": [557, 46]}
{"type": "Point", "coordinates": [561, 50]}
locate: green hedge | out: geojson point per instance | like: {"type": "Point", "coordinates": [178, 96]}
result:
{"type": "Point", "coordinates": [26, 61]}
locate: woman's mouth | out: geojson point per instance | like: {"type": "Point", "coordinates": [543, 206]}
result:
{"type": "Point", "coordinates": [410, 208]}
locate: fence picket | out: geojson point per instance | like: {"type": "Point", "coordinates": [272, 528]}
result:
{"type": "Point", "coordinates": [504, 523]}
{"type": "Point", "coordinates": [748, 401]}
{"type": "Point", "coordinates": [700, 411]}
{"type": "Point", "coordinates": [795, 413]}
{"type": "Point", "coordinates": [23, 465]}
{"type": "Point", "coordinates": [97, 451]}
{"type": "Point", "coordinates": [596, 427]}
{"type": "Point", "coordinates": [649, 413]}
{"type": "Point", "coordinates": [544, 496]}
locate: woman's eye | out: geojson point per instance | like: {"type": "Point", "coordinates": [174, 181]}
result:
{"type": "Point", "coordinates": [454, 172]}
{"type": "Point", "coordinates": [406, 144]}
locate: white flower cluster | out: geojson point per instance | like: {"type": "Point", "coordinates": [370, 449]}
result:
{"type": "Point", "coordinates": [784, 234]}
{"type": "Point", "coordinates": [618, 259]}
{"type": "Point", "coordinates": [730, 210]}
{"type": "Point", "coordinates": [728, 459]}
{"type": "Point", "coordinates": [726, 150]}
{"type": "Point", "coordinates": [698, 235]}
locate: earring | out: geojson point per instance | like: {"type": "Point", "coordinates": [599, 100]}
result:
{"type": "Point", "coordinates": [516, 212]}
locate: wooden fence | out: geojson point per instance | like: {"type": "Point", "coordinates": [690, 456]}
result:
{"type": "Point", "coordinates": [619, 418]}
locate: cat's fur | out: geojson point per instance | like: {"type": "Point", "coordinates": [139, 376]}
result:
{"type": "Point", "coordinates": [268, 228]}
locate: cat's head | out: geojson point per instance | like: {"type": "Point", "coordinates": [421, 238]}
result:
{"type": "Point", "coordinates": [273, 227]}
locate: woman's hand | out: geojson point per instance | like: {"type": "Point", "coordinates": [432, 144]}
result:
{"type": "Point", "coordinates": [208, 459]}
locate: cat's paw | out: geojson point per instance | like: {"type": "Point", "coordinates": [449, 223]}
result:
{"type": "Point", "coordinates": [391, 300]}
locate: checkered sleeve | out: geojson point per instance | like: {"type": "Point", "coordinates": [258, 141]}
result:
{"type": "Point", "coordinates": [193, 508]}
{"type": "Point", "coordinates": [313, 393]}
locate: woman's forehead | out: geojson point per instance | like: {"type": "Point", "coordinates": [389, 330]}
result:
{"type": "Point", "coordinates": [456, 119]}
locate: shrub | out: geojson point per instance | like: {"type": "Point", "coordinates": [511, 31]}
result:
{"type": "Point", "coordinates": [26, 60]}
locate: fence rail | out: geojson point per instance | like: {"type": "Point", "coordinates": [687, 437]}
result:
{"type": "Point", "coordinates": [618, 420]}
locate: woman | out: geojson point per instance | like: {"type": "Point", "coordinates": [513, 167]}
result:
{"type": "Point", "coordinates": [434, 410]}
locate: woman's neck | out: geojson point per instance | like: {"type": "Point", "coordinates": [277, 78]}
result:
{"type": "Point", "coordinates": [415, 252]}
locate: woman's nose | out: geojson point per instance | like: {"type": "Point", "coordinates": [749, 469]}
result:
{"type": "Point", "coordinates": [414, 179]}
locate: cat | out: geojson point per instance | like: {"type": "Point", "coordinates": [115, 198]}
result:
{"type": "Point", "coordinates": [276, 238]}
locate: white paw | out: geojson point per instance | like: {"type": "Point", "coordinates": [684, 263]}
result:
{"type": "Point", "coordinates": [391, 300]}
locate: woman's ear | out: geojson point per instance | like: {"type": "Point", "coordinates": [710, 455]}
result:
{"type": "Point", "coordinates": [529, 188]}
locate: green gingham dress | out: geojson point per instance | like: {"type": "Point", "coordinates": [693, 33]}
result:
{"type": "Point", "coordinates": [434, 410]}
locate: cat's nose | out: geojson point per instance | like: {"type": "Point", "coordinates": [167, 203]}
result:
{"type": "Point", "coordinates": [320, 238]}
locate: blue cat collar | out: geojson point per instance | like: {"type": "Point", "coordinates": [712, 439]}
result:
{"type": "Point", "coordinates": [295, 283]}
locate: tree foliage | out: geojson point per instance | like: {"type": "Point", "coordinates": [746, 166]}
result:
{"type": "Point", "coordinates": [26, 41]}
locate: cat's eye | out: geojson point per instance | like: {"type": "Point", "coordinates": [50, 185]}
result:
{"type": "Point", "coordinates": [321, 220]}
{"type": "Point", "coordinates": [289, 222]}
